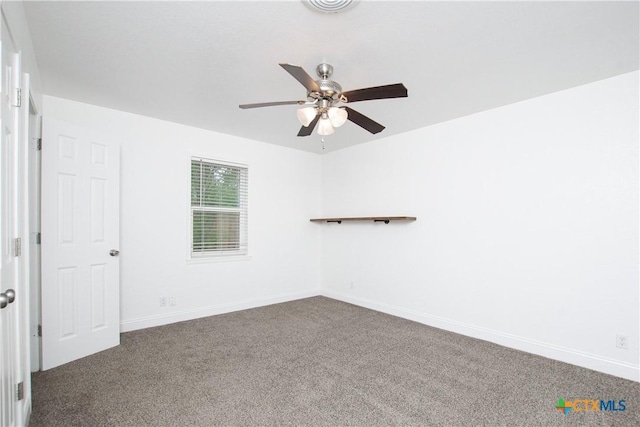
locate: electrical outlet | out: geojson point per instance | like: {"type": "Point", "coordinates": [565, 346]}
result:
{"type": "Point", "coordinates": [622, 341]}
{"type": "Point", "coordinates": [163, 301]}
{"type": "Point", "coordinates": [172, 301]}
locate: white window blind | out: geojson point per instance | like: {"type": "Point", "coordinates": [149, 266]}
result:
{"type": "Point", "coordinates": [219, 199]}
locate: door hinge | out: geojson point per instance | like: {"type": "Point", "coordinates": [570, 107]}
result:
{"type": "Point", "coordinates": [39, 330]}
{"type": "Point", "coordinates": [38, 144]}
{"type": "Point", "coordinates": [38, 238]}
{"type": "Point", "coordinates": [17, 100]}
{"type": "Point", "coordinates": [17, 246]}
{"type": "Point", "coordinates": [20, 390]}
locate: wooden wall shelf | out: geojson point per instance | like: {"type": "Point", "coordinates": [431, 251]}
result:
{"type": "Point", "coordinates": [384, 219]}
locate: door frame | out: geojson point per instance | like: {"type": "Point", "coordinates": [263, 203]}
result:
{"type": "Point", "coordinates": [34, 132]}
{"type": "Point", "coordinates": [24, 208]}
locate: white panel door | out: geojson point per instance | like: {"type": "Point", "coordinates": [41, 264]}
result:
{"type": "Point", "coordinates": [9, 231]}
{"type": "Point", "coordinates": [80, 240]}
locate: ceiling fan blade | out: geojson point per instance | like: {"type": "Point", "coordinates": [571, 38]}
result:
{"type": "Point", "coordinates": [306, 130]}
{"type": "Point", "coordinates": [378, 92]}
{"type": "Point", "coordinates": [363, 121]}
{"type": "Point", "coordinates": [270, 104]}
{"type": "Point", "coordinates": [301, 75]}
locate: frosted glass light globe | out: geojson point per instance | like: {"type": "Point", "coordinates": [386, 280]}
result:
{"type": "Point", "coordinates": [324, 127]}
{"type": "Point", "coordinates": [306, 115]}
{"type": "Point", "coordinates": [337, 116]}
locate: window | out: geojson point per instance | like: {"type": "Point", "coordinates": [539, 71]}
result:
{"type": "Point", "coordinates": [218, 208]}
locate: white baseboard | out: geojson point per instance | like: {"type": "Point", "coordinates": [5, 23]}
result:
{"type": "Point", "coordinates": [574, 357]}
{"type": "Point", "coordinates": [180, 316]}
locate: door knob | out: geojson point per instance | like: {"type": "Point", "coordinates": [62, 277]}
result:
{"type": "Point", "coordinates": [7, 297]}
{"type": "Point", "coordinates": [114, 252]}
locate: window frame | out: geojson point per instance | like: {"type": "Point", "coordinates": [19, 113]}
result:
{"type": "Point", "coordinates": [242, 253]}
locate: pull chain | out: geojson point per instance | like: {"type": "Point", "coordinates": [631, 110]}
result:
{"type": "Point", "coordinates": [322, 139]}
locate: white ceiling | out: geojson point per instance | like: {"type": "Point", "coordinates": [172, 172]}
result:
{"type": "Point", "coordinates": [194, 62]}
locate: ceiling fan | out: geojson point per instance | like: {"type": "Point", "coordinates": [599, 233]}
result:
{"type": "Point", "coordinates": [323, 95]}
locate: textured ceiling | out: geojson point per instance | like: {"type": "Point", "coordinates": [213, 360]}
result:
{"type": "Point", "coordinates": [194, 62]}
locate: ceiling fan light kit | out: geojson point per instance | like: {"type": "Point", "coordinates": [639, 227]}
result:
{"type": "Point", "coordinates": [330, 118]}
{"type": "Point", "coordinates": [323, 95]}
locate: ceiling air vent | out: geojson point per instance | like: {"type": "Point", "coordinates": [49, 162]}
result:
{"type": "Point", "coordinates": [330, 6]}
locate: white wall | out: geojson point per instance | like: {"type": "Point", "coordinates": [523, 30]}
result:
{"type": "Point", "coordinates": [284, 192]}
{"type": "Point", "coordinates": [527, 229]}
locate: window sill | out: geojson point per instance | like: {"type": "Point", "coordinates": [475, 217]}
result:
{"type": "Point", "coordinates": [218, 258]}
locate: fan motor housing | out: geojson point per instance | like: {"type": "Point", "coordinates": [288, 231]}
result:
{"type": "Point", "coordinates": [330, 89]}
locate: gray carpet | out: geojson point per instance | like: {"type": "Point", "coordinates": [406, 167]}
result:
{"type": "Point", "coordinates": [314, 362]}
